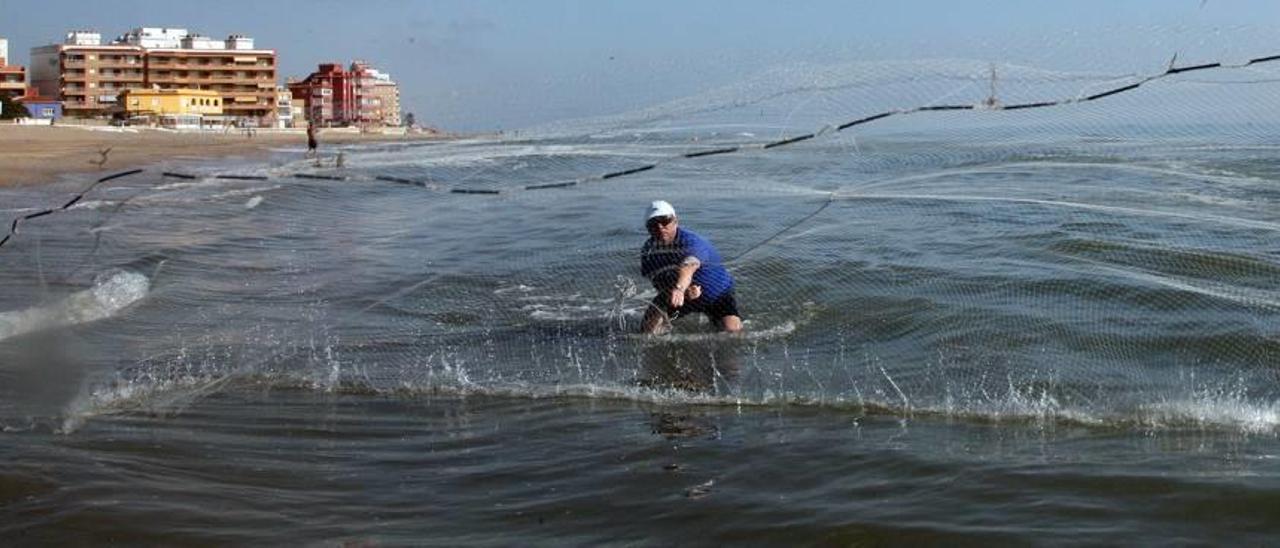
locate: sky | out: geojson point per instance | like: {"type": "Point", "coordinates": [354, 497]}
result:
{"type": "Point", "coordinates": [482, 65]}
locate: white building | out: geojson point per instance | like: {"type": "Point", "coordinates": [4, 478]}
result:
{"type": "Point", "coordinates": [155, 37]}
{"type": "Point", "coordinates": [175, 38]}
{"type": "Point", "coordinates": [83, 38]}
{"type": "Point", "coordinates": [239, 41]}
{"type": "Point", "coordinates": [197, 41]}
{"type": "Point", "coordinates": [285, 115]}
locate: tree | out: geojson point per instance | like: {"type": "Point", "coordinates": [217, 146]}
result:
{"type": "Point", "coordinates": [408, 120]}
{"type": "Point", "coordinates": [10, 109]}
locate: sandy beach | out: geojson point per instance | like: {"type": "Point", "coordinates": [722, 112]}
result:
{"type": "Point", "coordinates": [39, 154]}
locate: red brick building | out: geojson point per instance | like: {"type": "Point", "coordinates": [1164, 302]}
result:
{"type": "Point", "coordinates": [354, 96]}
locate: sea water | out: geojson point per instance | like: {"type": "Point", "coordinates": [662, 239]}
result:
{"type": "Point", "coordinates": [1062, 340]}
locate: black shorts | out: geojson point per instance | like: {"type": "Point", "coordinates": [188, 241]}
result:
{"type": "Point", "coordinates": [723, 306]}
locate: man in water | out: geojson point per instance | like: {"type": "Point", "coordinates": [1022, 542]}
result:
{"type": "Point", "coordinates": [687, 272]}
{"type": "Point", "coordinates": [311, 140]}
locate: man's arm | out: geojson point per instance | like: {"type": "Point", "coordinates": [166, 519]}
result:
{"type": "Point", "coordinates": [683, 280]}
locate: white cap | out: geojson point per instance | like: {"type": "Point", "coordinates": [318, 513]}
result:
{"type": "Point", "coordinates": [660, 208]}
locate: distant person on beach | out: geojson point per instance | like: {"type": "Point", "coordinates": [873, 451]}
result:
{"type": "Point", "coordinates": [687, 272]}
{"type": "Point", "coordinates": [311, 140]}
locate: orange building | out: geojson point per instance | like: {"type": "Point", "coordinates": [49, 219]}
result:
{"type": "Point", "coordinates": [13, 78]}
{"type": "Point", "coordinates": [88, 76]}
{"type": "Point", "coordinates": [84, 74]}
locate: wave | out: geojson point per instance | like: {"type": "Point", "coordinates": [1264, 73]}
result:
{"type": "Point", "coordinates": [751, 332]}
{"type": "Point", "coordinates": [1030, 405]}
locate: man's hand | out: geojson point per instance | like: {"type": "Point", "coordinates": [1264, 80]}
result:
{"type": "Point", "coordinates": [678, 296]}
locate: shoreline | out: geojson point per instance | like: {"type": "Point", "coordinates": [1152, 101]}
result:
{"type": "Point", "coordinates": [37, 155]}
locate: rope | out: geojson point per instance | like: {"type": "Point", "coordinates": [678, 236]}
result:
{"type": "Point", "coordinates": [13, 227]}
{"type": "Point", "coordinates": [1171, 70]}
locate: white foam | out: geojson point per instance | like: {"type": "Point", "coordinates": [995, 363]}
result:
{"type": "Point", "coordinates": [110, 294]}
{"type": "Point", "coordinates": [240, 192]}
{"type": "Point", "coordinates": [93, 204]}
{"type": "Point", "coordinates": [253, 202]}
{"type": "Point", "coordinates": [747, 334]}
{"type": "Point", "coordinates": [1218, 411]}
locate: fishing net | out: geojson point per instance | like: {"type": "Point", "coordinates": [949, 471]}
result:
{"type": "Point", "coordinates": [1060, 232]}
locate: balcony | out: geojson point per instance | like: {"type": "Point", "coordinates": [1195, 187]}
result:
{"type": "Point", "coordinates": [137, 77]}
{"type": "Point", "coordinates": [119, 63]}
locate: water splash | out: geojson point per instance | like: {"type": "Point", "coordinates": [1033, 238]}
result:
{"type": "Point", "coordinates": [112, 292]}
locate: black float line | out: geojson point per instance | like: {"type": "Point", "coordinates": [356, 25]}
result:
{"type": "Point", "coordinates": [13, 227]}
{"type": "Point", "coordinates": [242, 177]}
{"type": "Point", "coordinates": [628, 172]}
{"type": "Point", "coordinates": [792, 140]}
{"type": "Point", "coordinates": [119, 175]}
{"type": "Point", "coordinates": [861, 121]}
{"type": "Point", "coordinates": [1112, 92]}
{"type": "Point", "coordinates": [400, 180]}
{"type": "Point", "coordinates": [1031, 105]}
{"type": "Point", "coordinates": [72, 201]}
{"type": "Point", "coordinates": [551, 185]}
{"type": "Point", "coordinates": [1191, 68]}
{"type": "Point", "coordinates": [712, 152]}
{"type": "Point", "coordinates": [319, 177]}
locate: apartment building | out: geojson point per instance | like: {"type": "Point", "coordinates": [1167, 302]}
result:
{"type": "Point", "coordinates": [355, 96]}
{"type": "Point", "coordinates": [385, 98]}
{"type": "Point", "coordinates": [286, 115]}
{"type": "Point", "coordinates": [325, 93]}
{"type": "Point", "coordinates": [85, 74]}
{"type": "Point", "coordinates": [88, 75]}
{"type": "Point", "coordinates": [243, 75]}
{"type": "Point", "coordinates": [13, 78]}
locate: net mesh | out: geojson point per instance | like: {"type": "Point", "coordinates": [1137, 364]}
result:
{"type": "Point", "coordinates": [1074, 235]}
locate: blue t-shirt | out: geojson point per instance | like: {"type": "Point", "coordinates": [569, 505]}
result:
{"type": "Point", "coordinates": [661, 264]}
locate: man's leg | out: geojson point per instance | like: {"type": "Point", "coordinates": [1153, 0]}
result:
{"type": "Point", "coordinates": [725, 313]}
{"type": "Point", "coordinates": [730, 324]}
